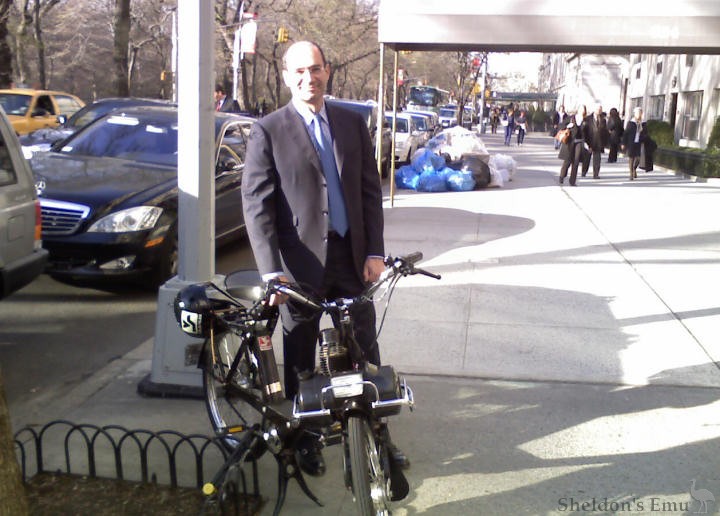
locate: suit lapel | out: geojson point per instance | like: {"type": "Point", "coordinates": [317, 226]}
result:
{"type": "Point", "coordinates": [338, 135]}
{"type": "Point", "coordinates": [297, 132]}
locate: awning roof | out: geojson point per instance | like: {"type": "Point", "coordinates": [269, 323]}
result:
{"type": "Point", "coordinates": [605, 27]}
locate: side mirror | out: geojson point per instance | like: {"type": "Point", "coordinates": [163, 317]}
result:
{"type": "Point", "coordinates": [62, 119]}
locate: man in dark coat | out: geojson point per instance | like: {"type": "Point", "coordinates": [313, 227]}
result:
{"type": "Point", "coordinates": [314, 218]}
{"type": "Point", "coordinates": [597, 139]}
{"type": "Point", "coordinates": [223, 102]}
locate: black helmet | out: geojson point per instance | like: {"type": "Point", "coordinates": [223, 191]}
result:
{"type": "Point", "coordinates": [193, 311]}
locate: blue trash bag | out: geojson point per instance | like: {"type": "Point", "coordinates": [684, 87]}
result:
{"type": "Point", "coordinates": [407, 177]}
{"type": "Point", "coordinates": [432, 181]}
{"type": "Point", "coordinates": [421, 160]}
{"type": "Point", "coordinates": [460, 181]}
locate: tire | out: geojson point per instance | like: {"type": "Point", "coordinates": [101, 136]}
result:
{"type": "Point", "coordinates": [167, 266]}
{"type": "Point", "coordinates": [227, 410]}
{"type": "Point", "coordinates": [368, 479]}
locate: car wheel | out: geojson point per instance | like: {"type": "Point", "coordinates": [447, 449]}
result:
{"type": "Point", "coordinates": [167, 266]}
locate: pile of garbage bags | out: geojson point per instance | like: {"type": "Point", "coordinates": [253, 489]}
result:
{"type": "Point", "coordinates": [455, 160]}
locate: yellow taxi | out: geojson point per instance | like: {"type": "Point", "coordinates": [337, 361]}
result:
{"type": "Point", "coordinates": [29, 110]}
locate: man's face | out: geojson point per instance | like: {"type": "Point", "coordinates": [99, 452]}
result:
{"type": "Point", "coordinates": [306, 76]}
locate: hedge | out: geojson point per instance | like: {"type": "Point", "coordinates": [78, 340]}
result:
{"type": "Point", "coordinates": [696, 162]}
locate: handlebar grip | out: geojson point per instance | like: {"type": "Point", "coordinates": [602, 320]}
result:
{"type": "Point", "coordinates": [412, 257]}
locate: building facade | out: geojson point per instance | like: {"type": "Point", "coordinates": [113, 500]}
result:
{"type": "Point", "coordinates": [683, 90]}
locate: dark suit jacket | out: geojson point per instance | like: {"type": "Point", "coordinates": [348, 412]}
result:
{"type": "Point", "coordinates": [597, 133]}
{"type": "Point", "coordinates": [285, 198]}
{"type": "Point", "coordinates": [632, 149]}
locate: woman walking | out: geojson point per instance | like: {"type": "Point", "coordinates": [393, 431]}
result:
{"type": "Point", "coordinates": [573, 151]}
{"type": "Point", "coordinates": [633, 138]}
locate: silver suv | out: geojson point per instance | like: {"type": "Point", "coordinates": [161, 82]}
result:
{"type": "Point", "coordinates": [22, 257]}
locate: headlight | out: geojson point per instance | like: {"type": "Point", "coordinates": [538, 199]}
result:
{"type": "Point", "coordinates": [132, 219]}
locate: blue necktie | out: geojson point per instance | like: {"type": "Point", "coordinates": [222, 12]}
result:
{"type": "Point", "coordinates": [336, 201]}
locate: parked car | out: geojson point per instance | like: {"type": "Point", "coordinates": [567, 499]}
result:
{"type": "Point", "coordinates": [42, 139]}
{"type": "Point", "coordinates": [109, 195]}
{"type": "Point", "coordinates": [29, 110]}
{"type": "Point", "coordinates": [448, 116]}
{"type": "Point", "coordinates": [22, 257]}
{"type": "Point", "coordinates": [423, 125]}
{"type": "Point", "coordinates": [408, 138]}
{"type": "Point", "coordinates": [369, 111]}
{"type": "Point", "coordinates": [432, 115]}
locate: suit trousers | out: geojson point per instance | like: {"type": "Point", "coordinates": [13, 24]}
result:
{"type": "Point", "coordinates": [301, 326]}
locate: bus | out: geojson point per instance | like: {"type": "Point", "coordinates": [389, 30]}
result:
{"type": "Point", "coordinates": [427, 98]}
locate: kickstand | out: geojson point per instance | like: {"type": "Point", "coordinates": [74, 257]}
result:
{"type": "Point", "coordinates": [288, 468]}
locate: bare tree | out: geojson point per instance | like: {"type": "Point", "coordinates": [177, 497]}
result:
{"type": "Point", "coordinates": [121, 44]}
{"type": "Point", "coordinates": [6, 68]}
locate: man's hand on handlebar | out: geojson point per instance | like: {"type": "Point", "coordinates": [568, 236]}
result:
{"type": "Point", "coordinates": [373, 268]}
{"type": "Point", "coordinates": [278, 298]}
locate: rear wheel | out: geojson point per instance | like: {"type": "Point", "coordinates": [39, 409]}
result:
{"type": "Point", "coordinates": [368, 479]}
{"type": "Point", "coordinates": [229, 413]}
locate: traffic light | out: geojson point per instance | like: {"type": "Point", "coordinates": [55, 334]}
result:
{"type": "Point", "coordinates": [282, 35]}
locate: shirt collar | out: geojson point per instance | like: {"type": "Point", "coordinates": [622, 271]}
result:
{"type": "Point", "coordinates": [307, 115]}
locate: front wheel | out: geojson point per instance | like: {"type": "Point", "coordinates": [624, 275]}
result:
{"type": "Point", "coordinates": [368, 479]}
{"type": "Point", "coordinates": [225, 394]}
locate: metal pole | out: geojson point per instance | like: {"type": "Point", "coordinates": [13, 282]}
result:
{"type": "Point", "coordinates": [394, 127]}
{"type": "Point", "coordinates": [380, 122]}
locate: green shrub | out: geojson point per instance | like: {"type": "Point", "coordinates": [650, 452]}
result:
{"type": "Point", "coordinates": [714, 140]}
{"type": "Point", "coordinates": [661, 132]}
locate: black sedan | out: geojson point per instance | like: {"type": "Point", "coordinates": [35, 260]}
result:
{"type": "Point", "coordinates": [109, 196]}
{"type": "Point", "coordinates": [43, 139]}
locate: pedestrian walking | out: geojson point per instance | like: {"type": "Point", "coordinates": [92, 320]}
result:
{"type": "Point", "coordinates": [521, 124]}
{"type": "Point", "coordinates": [615, 132]}
{"type": "Point", "coordinates": [633, 138]}
{"type": "Point", "coordinates": [508, 123]}
{"type": "Point", "coordinates": [573, 151]}
{"type": "Point", "coordinates": [597, 139]}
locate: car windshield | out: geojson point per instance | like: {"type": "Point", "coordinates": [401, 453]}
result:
{"type": "Point", "coordinates": [88, 114]}
{"type": "Point", "coordinates": [449, 113]}
{"type": "Point", "coordinates": [14, 103]}
{"type": "Point", "coordinates": [128, 137]}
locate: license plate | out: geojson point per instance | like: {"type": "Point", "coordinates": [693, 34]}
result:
{"type": "Point", "coordinates": [347, 386]}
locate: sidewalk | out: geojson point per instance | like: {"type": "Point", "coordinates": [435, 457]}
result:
{"type": "Point", "coordinates": [566, 362]}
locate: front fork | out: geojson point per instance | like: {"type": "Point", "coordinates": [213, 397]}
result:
{"type": "Point", "coordinates": [378, 429]}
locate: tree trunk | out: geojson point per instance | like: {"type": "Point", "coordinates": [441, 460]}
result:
{"type": "Point", "coordinates": [42, 79]}
{"type": "Point", "coordinates": [6, 70]}
{"type": "Point", "coordinates": [12, 493]}
{"type": "Point", "coordinates": [121, 44]}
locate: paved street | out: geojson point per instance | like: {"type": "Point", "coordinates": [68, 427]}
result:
{"type": "Point", "coordinates": [565, 363]}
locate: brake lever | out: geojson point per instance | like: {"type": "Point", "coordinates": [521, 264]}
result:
{"type": "Point", "coordinates": [427, 273]}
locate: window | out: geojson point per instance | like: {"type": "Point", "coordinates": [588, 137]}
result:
{"type": "Point", "coordinates": [7, 172]}
{"type": "Point", "coordinates": [689, 59]}
{"type": "Point", "coordinates": [636, 102]}
{"type": "Point", "coordinates": [658, 68]}
{"type": "Point", "coordinates": [691, 115]}
{"type": "Point", "coordinates": [657, 107]}
{"type": "Point", "coordinates": [637, 72]}
{"type": "Point", "coordinates": [67, 105]}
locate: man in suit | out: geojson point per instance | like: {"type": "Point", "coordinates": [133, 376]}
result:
{"type": "Point", "coordinates": [597, 139]}
{"type": "Point", "coordinates": [223, 102]}
{"type": "Point", "coordinates": [312, 202]}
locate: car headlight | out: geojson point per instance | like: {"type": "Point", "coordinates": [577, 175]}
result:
{"type": "Point", "coordinates": [132, 219]}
